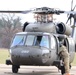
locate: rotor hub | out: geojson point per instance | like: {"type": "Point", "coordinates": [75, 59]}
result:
{"type": "Point", "coordinates": [45, 10]}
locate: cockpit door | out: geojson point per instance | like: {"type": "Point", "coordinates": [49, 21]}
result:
{"type": "Point", "coordinates": [53, 47]}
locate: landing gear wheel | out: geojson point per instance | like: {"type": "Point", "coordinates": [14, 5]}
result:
{"type": "Point", "coordinates": [62, 70]}
{"type": "Point", "coordinates": [15, 69]}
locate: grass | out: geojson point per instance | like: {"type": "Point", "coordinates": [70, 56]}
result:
{"type": "Point", "coordinates": [4, 54]}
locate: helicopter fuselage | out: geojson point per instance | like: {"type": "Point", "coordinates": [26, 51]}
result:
{"type": "Point", "coordinates": [37, 48]}
{"type": "Point", "coordinates": [36, 53]}
{"type": "Point", "coordinates": [39, 45]}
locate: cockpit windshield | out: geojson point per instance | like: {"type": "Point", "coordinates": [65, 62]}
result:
{"type": "Point", "coordinates": [18, 40]}
{"type": "Point", "coordinates": [31, 40]}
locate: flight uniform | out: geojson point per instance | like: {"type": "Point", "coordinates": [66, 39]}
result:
{"type": "Point", "coordinates": [65, 55]}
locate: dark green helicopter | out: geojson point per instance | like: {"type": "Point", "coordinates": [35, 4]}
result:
{"type": "Point", "coordinates": [38, 43]}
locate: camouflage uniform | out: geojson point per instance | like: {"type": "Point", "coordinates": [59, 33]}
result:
{"type": "Point", "coordinates": [65, 55]}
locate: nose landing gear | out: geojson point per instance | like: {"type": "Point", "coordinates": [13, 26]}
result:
{"type": "Point", "coordinates": [15, 68]}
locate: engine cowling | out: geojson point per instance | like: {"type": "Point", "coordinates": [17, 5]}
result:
{"type": "Point", "coordinates": [41, 27]}
{"type": "Point", "coordinates": [62, 28]}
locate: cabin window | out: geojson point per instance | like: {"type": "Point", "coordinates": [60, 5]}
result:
{"type": "Point", "coordinates": [53, 43]}
{"type": "Point", "coordinates": [18, 40]}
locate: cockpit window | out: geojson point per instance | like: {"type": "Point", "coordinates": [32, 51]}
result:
{"type": "Point", "coordinates": [44, 41]}
{"type": "Point", "coordinates": [31, 40]}
{"type": "Point", "coordinates": [38, 41]}
{"type": "Point", "coordinates": [18, 40]}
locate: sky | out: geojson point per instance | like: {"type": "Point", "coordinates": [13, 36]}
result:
{"type": "Point", "coordinates": [30, 4]}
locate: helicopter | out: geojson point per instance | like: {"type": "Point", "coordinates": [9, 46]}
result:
{"type": "Point", "coordinates": [38, 43]}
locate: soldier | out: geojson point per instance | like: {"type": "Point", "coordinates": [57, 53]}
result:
{"type": "Point", "coordinates": [65, 56]}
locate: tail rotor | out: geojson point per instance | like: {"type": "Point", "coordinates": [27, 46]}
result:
{"type": "Point", "coordinates": [71, 15]}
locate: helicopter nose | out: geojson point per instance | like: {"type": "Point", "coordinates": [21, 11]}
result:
{"type": "Point", "coordinates": [31, 56]}
{"type": "Point", "coordinates": [30, 51]}
{"type": "Point", "coordinates": [38, 55]}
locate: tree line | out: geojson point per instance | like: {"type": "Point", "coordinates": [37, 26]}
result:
{"type": "Point", "coordinates": [9, 25]}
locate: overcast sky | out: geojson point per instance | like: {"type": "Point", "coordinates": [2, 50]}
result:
{"type": "Point", "coordinates": [28, 4]}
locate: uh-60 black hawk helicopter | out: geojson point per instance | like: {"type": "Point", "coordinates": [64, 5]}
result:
{"type": "Point", "coordinates": [38, 43]}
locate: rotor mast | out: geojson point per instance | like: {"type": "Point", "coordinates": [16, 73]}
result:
{"type": "Point", "coordinates": [45, 14]}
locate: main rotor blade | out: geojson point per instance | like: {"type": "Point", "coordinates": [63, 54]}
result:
{"type": "Point", "coordinates": [71, 5]}
{"type": "Point", "coordinates": [74, 7]}
{"type": "Point", "coordinates": [11, 11]}
{"type": "Point", "coordinates": [69, 12]}
{"type": "Point", "coordinates": [27, 11]}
